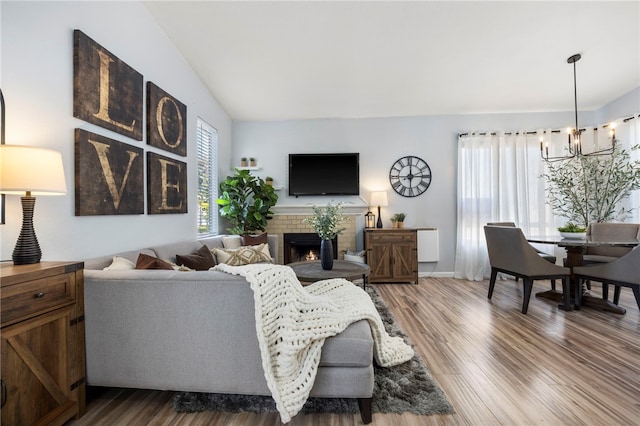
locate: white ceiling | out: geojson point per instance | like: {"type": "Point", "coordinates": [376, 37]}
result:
{"type": "Point", "coordinates": [272, 60]}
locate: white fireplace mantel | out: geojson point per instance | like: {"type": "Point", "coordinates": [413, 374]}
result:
{"type": "Point", "coordinates": [351, 209]}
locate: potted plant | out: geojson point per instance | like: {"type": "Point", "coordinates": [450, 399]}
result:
{"type": "Point", "coordinates": [252, 161]}
{"type": "Point", "coordinates": [397, 220]}
{"type": "Point", "coordinates": [589, 189]}
{"type": "Point", "coordinates": [246, 201]}
{"type": "Point", "coordinates": [571, 230]}
{"type": "Point", "coordinates": [268, 180]}
{"type": "Point", "coordinates": [243, 162]}
{"type": "Point", "coordinates": [326, 222]}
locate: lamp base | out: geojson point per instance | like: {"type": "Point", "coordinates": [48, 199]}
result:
{"type": "Point", "coordinates": [379, 224]}
{"type": "Point", "coordinates": [27, 249]}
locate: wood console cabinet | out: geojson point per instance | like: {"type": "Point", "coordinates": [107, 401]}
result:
{"type": "Point", "coordinates": [392, 255]}
{"type": "Point", "coordinates": [43, 345]}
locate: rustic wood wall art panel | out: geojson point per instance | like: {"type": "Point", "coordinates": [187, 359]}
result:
{"type": "Point", "coordinates": [166, 121]}
{"type": "Point", "coordinates": [166, 185]}
{"type": "Point", "coordinates": [106, 91]}
{"type": "Point", "coordinates": [109, 176]}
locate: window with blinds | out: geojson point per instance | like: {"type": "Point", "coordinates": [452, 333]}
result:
{"type": "Point", "coordinates": [207, 138]}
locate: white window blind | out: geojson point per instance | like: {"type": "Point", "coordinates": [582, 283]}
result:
{"type": "Point", "coordinates": [207, 138]}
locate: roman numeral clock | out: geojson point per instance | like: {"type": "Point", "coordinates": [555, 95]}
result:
{"type": "Point", "coordinates": [410, 176]}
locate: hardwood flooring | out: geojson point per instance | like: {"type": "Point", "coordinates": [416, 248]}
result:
{"type": "Point", "coordinates": [495, 365]}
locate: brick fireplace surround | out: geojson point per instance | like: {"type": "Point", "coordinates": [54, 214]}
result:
{"type": "Point", "coordinates": [286, 223]}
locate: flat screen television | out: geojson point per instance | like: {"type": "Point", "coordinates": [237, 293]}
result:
{"type": "Point", "coordinates": [324, 174]}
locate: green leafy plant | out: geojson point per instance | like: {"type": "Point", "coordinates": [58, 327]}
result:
{"type": "Point", "coordinates": [326, 220]}
{"type": "Point", "coordinates": [398, 217]}
{"type": "Point", "coordinates": [589, 189]}
{"type": "Point", "coordinates": [572, 227]}
{"type": "Point", "coordinates": [246, 201]}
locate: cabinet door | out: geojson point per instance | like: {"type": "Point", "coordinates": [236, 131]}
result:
{"type": "Point", "coordinates": [379, 257]}
{"type": "Point", "coordinates": [35, 371]}
{"type": "Point", "coordinates": [404, 264]}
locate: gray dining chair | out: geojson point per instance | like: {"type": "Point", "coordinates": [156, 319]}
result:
{"type": "Point", "coordinates": [511, 253]}
{"type": "Point", "coordinates": [622, 272]}
{"type": "Point", "coordinates": [546, 256]}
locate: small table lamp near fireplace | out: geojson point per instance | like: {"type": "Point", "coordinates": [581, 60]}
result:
{"type": "Point", "coordinates": [379, 198]}
{"type": "Point", "coordinates": [29, 171]}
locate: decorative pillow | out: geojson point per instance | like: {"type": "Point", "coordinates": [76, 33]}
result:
{"type": "Point", "coordinates": [201, 260]}
{"type": "Point", "coordinates": [232, 242]}
{"type": "Point", "coordinates": [149, 262]}
{"type": "Point", "coordinates": [244, 255]}
{"type": "Point", "coordinates": [254, 240]}
{"type": "Point", "coordinates": [120, 262]}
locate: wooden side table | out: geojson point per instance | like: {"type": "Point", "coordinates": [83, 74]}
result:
{"type": "Point", "coordinates": [311, 271]}
{"type": "Point", "coordinates": [43, 346]}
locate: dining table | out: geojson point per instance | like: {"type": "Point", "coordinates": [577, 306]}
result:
{"type": "Point", "coordinates": [576, 248]}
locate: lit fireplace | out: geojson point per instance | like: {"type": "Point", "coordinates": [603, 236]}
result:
{"type": "Point", "coordinates": [299, 247]}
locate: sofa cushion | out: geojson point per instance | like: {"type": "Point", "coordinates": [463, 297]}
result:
{"type": "Point", "coordinates": [351, 348]}
{"type": "Point", "coordinates": [232, 241]}
{"type": "Point", "coordinates": [149, 262]}
{"type": "Point", "coordinates": [244, 255]}
{"type": "Point", "coordinates": [201, 260]}
{"type": "Point", "coordinates": [167, 252]}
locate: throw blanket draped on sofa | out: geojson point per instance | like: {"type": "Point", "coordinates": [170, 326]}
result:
{"type": "Point", "coordinates": [293, 321]}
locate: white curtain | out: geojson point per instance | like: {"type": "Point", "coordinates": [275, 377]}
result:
{"type": "Point", "coordinates": [499, 180]}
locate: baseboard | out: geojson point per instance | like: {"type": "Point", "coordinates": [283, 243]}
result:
{"type": "Point", "coordinates": [435, 274]}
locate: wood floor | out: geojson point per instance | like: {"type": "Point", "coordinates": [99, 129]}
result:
{"type": "Point", "coordinates": [495, 365]}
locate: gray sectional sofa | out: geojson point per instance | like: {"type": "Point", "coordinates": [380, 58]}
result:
{"type": "Point", "coordinates": [195, 331]}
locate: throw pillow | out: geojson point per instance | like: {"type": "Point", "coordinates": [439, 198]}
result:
{"type": "Point", "coordinates": [244, 255]}
{"type": "Point", "coordinates": [120, 262]}
{"type": "Point", "coordinates": [232, 242]}
{"type": "Point", "coordinates": [201, 260]}
{"type": "Point", "coordinates": [149, 262]}
{"type": "Point", "coordinates": [254, 240]}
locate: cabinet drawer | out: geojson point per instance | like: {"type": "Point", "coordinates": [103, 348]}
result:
{"type": "Point", "coordinates": [392, 238]}
{"type": "Point", "coordinates": [26, 299]}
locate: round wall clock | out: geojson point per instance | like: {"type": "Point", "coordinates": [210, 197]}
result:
{"type": "Point", "coordinates": [410, 176]}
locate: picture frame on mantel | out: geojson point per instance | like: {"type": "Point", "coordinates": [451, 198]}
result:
{"type": "Point", "coordinates": [106, 91]}
{"type": "Point", "coordinates": [109, 176]}
{"type": "Point", "coordinates": [166, 185]}
{"type": "Point", "coordinates": [166, 121]}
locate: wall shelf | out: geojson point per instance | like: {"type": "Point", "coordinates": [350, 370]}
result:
{"type": "Point", "coordinates": [248, 168]}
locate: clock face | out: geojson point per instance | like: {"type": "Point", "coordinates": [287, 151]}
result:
{"type": "Point", "coordinates": [410, 176]}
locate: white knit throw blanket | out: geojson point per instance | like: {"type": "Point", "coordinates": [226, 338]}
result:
{"type": "Point", "coordinates": [292, 323]}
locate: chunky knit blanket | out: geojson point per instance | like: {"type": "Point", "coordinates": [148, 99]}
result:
{"type": "Point", "coordinates": [293, 321]}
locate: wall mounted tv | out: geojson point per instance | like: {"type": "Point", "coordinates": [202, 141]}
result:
{"type": "Point", "coordinates": [324, 174]}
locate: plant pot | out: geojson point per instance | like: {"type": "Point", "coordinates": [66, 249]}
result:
{"type": "Point", "coordinates": [399, 224]}
{"type": "Point", "coordinates": [326, 255]}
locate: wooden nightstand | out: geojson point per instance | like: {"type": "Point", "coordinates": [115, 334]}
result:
{"type": "Point", "coordinates": [392, 255]}
{"type": "Point", "coordinates": [43, 350]}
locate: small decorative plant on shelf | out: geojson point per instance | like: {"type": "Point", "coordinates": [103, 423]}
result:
{"type": "Point", "coordinates": [397, 220]}
{"type": "Point", "coordinates": [252, 161]}
{"type": "Point", "coordinates": [243, 162]}
{"type": "Point", "coordinates": [589, 189]}
{"type": "Point", "coordinates": [246, 201]}
{"type": "Point", "coordinates": [268, 180]}
{"type": "Point", "coordinates": [326, 222]}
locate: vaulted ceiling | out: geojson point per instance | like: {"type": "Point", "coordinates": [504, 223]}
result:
{"type": "Point", "coordinates": [271, 60]}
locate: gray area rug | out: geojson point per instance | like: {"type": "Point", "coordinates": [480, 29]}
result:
{"type": "Point", "coordinates": [406, 387]}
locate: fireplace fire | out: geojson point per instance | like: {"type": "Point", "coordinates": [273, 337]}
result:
{"type": "Point", "coordinates": [299, 247]}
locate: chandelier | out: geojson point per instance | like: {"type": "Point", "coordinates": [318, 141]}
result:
{"type": "Point", "coordinates": [574, 135]}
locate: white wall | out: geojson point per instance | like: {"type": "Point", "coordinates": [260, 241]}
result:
{"type": "Point", "coordinates": [381, 141]}
{"type": "Point", "coordinates": [37, 82]}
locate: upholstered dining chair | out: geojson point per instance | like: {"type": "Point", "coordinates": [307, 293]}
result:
{"type": "Point", "coordinates": [511, 253]}
{"type": "Point", "coordinates": [546, 256]}
{"type": "Point", "coordinates": [622, 272]}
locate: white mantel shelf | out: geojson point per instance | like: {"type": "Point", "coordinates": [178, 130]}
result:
{"type": "Point", "coordinates": [298, 209]}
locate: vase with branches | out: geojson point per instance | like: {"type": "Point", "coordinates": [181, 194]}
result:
{"type": "Point", "coordinates": [326, 222]}
{"type": "Point", "coordinates": [588, 189]}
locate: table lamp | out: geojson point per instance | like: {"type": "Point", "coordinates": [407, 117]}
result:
{"type": "Point", "coordinates": [30, 171]}
{"type": "Point", "coordinates": [379, 198]}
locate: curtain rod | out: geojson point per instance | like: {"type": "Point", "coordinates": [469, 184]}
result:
{"type": "Point", "coordinates": [604, 126]}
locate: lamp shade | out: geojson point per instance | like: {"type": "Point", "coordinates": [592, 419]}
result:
{"type": "Point", "coordinates": [31, 169]}
{"type": "Point", "coordinates": [379, 198]}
